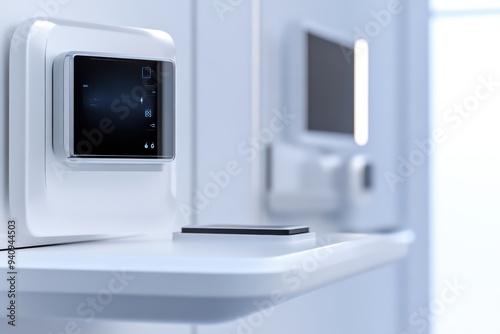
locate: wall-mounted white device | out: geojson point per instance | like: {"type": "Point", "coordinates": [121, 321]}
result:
{"type": "Point", "coordinates": [328, 88]}
{"type": "Point", "coordinates": [91, 131]}
{"type": "Point", "coordinates": [327, 91]}
{"type": "Point", "coordinates": [113, 108]}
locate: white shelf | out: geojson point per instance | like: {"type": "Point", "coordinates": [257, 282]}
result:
{"type": "Point", "coordinates": [196, 283]}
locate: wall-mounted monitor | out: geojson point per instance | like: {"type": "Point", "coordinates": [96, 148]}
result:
{"type": "Point", "coordinates": [329, 88]}
{"type": "Point", "coordinates": [118, 108]}
{"type": "Point", "coordinates": [85, 108]}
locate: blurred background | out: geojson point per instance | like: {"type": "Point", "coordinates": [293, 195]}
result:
{"type": "Point", "coordinates": [464, 181]}
{"type": "Point", "coordinates": [430, 164]}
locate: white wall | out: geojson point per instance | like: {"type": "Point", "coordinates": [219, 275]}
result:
{"type": "Point", "coordinates": [465, 179]}
{"type": "Point", "coordinates": [223, 112]}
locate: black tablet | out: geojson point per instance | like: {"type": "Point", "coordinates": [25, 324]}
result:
{"type": "Point", "coordinates": [247, 229]}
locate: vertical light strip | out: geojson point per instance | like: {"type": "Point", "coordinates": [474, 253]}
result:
{"type": "Point", "coordinates": [361, 92]}
{"type": "Point", "coordinates": [194, 108]}
{"type": "Point", "coordinates": [257, 182]}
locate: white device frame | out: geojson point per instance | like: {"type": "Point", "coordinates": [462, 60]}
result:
{"type": "Point", "coordinates": [298, 96]}
{"type": "Point", "coordinates": [64, 110]}
{"type": "Point", "coordinates": [54, 199]}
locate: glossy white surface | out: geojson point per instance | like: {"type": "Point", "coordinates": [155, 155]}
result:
{"type": "Point", "coordinates": [155, 280]}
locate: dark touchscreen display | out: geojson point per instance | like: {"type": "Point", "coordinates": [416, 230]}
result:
{"type": "Point", "coordinates": [118, 108]}
{"type": "Point", "coordinates": [330, 86]}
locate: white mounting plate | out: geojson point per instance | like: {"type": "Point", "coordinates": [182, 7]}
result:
{"type": "Point", "coordinates": [52, 199]}
{"type": "Point", "coordinates": [198, 284]}
{"type": "Point", "coordinates": [303, 181]}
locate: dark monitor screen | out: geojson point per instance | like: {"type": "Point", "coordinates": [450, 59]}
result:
{"type": "Point", "coordinates": [118, 108]}
{"type": "Point", "coordinates": [330, 79]}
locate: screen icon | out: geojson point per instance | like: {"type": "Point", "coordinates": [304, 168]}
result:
{"type": "Point", "coordinates": [148, 113]}
{"type": "Point", "coordinates": [146, 72]}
